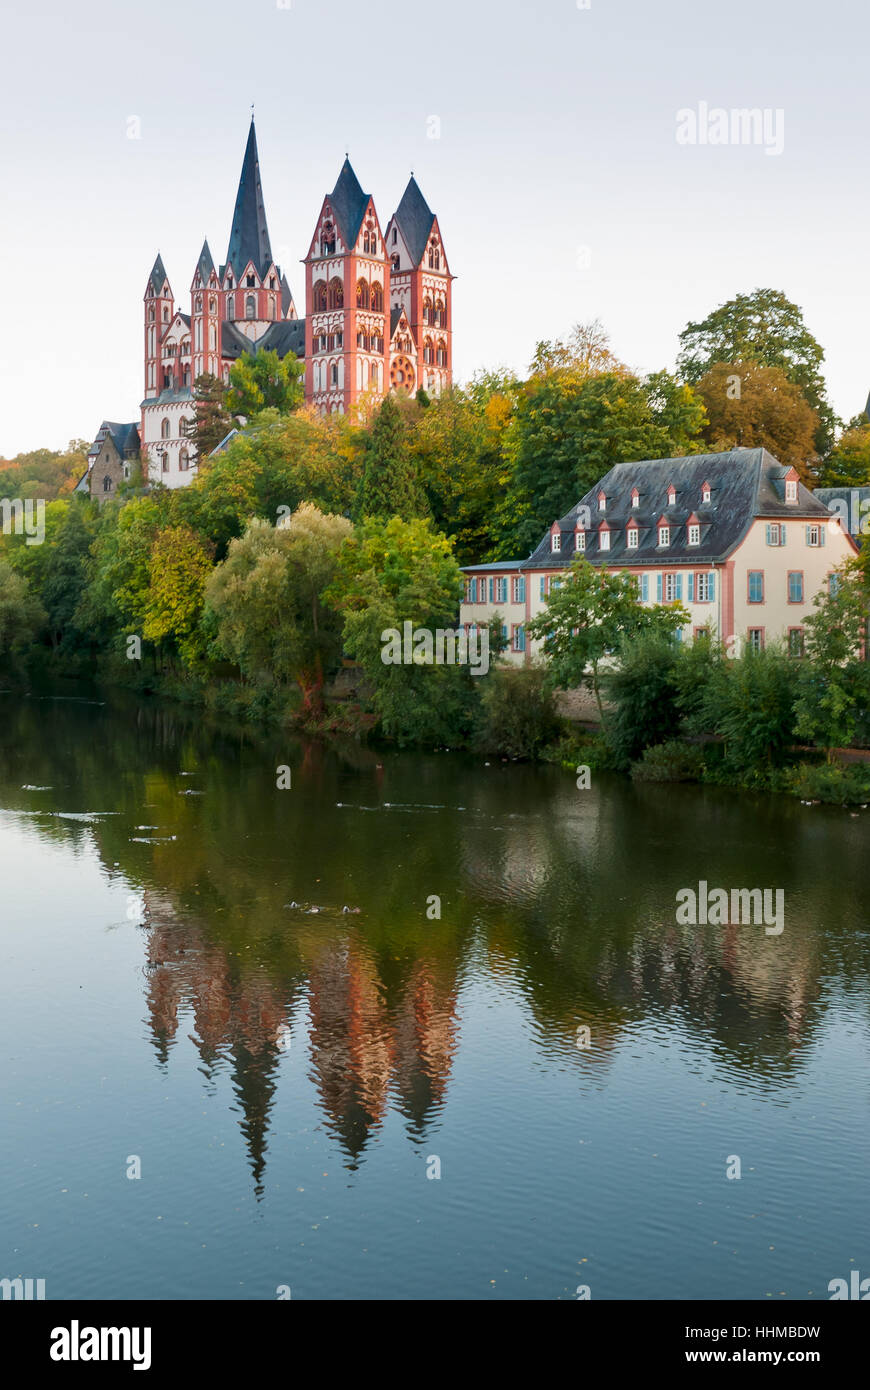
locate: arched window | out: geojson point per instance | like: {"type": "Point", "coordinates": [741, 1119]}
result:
{"type": "Point", "coordinates": [336, 294]}
{"type": "Point", "coordinates": [334, 374]}
{"type": "Point", "coordinates": [231, 306]}
{"type": "Point", "coordinates": [199, 303]}
{"type": "Point", "coordinates": [107, 484]}
{"type": "Point", "coordinates": [378, 297]}
{"type": "Point", "coordinates": [327, 240]}
{"type": "Point", "coordinates": [271, 306]}
{"type": "Point", "coordinates": [428, 352]}
{"type": "Point", "coordinates": [440, 314]}
{"type": "Point", "coordinates": [165, 315]}
{"type": "Point", "coordinates": [250, 307]}
{"type": "Point", "coordinates": [165, 429]}
{"type": "Point", "coordinates": [212, 306]}
{"type": "Point", "coordinates": [362, 294]}
{"type": "Point", "coordinates": [427, 310]}
{"type": "Point", "coordinates": [319, 294]}
{"type": "Point", "coordinates": [212, 338]}
{"type": "Point", "coordinates": [375, 376]}
{"type": "Point", "coordinates": [184, 460]}
{"type": "Point", "coordinates": [442, 353]}
{"type": "Point", "coordinates": [395, 262]}
{"type": "Point", "coordinates": [151, 315]}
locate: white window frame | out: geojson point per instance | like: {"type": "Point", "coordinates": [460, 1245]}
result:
{"type": "Point", "coordinates": [631, 537]}
{"type": "Point", "coordinates": [556, 542]}
{"type": "Point", "coordinates": [664, 535]}
{"type": "Point", "coordinates": [580, 540]}
{"type": "Point", "coordinates": [694, 535]}
{"type": "Point", "coordinates": [791, 490]}
{"type": "Point", "coordinates": [604, 540]}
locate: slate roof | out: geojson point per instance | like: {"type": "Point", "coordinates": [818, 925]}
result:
{"type": "Point", "coordinates": [124, 437]}
{"type": "Point", "coordinates": [415, 219]}
{"type": "Point", "coordinates": [205, 264]}
{"type": "Point", "coordinates": [168, 397]}
{"type": "Point", "coordinates": [286, 294]}
{"type": "Point", "coordinates": [279, 337]}
{"type": "Point", "coordinates": [853, 499]}
{"type": "Point", "coordinates": [349, 203]}
{"type": "Point", "coordinates": [395, 314]}
{"type": "Point", "coordinates": [157, 277]}
{"type": "Point", "coordinates": [745, 484]}
{"type": "Point", "coordinates": [249, 237]}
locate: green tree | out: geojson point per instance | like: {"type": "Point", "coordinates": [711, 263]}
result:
{"type": "Point", "coordinates": [848, 463]}
{"type": "Point", "coordinates": [833, 691]}
{"type": "Point", "coordinates": [767, 328]}
{"type": "Point", "coordinates": [749, 702]}
{"type": "Point", "coordinates": [179, 566]}
{"type": "Point", "coordinates": [264, 381]}
{"type": "Point", "coordinates": [389, 485]}
{"type": "Point", "coordinates": [569, 429]}
{"type": "Point", "coordinates": [642, 695]}
{"type": "Point", "coordinates": [588, 617]}
{"type": "Point", "coordinates": [393, 572]}
{"type": "Point", "coordinates": [21, 614]}
{"type": "Point", "coordinates": [267, 607]}
{"type": "Point", "coordinates": [212, 420]}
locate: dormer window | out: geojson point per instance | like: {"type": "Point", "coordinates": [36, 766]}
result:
{"type": "Point", "coordinates": [705, 494]}
{"type": "Point", "coordinates": [556, 542]}
{"type": "Point", "coordinates": [694, 534]}
{"type": "Point", "coordinates": [664, 535]}
{"type": "Point", "coordinates": [604, 537]}
{"type": "Point", "coordinates": [791, 492]}
{"type": "Point", "coordinates": [672, 495]}
{"type": "Point", "coordinates": [631, 537]}
{"type": "Point", "coordinates": [602, 502]}
{"type": "Point", "coordinates": [580, 540]}
{"type": "Point", "coordinates": [635, 497]}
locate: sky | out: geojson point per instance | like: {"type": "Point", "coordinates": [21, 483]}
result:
{"type": "Point", "coordinates": [562, 173]}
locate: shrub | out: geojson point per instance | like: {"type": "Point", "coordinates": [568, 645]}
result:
{"type": "Point", "coordinates": [670, 762]}
{"type": "Point", "coordinates": [837, 783]}
{"type": "Point", "coordinates": [643, 696]}
{"type": "Point", "coordinates": [517, 716]}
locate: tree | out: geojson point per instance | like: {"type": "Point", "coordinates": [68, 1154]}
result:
{"type": "Point", "coordinates": [750, 406]}
{"type": "Point", "coordinates": [848, 464]}
{"type": "Point", "coordinates": [643, 696]}
{"type": "Point", "coordinates": [569, 429]}
{"type": "Point", "coordinates": [212, 420]}
{"type": "Point", "coordinates": [393, 572]}
{"type": "Point", "coordinates": [389, 485]}
{"type": "Point", "coordinates": [180, 564]}
{"type": "Point", "coordinates": [586, 351]}
{"type": "Point", "coordinates": [66, 572]}
{"type": "Point", "coordinates": [767, 328]}
{"type": "Point", "coordinates": [588, 617]}
{"type": "Point", "coordinates": [264, 381]}
{"type": "Point", "coordinates": [834, 684]}
{"type": "Point", "coordinates": [749, 701]}
{"type": "Point", "coordinates": [21, 614]}
{"type": "Point", "coordinates": [266, 602]}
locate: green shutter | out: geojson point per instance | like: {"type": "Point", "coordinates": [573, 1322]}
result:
{"type": "Point", "coordinates": [659, 587]}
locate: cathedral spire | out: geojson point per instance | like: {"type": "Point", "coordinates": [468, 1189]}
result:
{"type": "Point", "coordinates": [249, 238]}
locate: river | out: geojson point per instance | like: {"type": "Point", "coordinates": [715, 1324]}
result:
{"type": "Point", "coordinates": [208, 1092]}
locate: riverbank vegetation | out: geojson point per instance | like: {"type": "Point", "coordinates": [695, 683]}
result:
{"type": "Point", "coordinates": [261, 590]}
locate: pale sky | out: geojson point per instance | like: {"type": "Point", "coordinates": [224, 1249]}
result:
{"type": "Point", "coordinates": [561, 190]}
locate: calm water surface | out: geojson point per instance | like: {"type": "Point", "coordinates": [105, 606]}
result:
{"type": "Point", "coordinates": [288, 1078]}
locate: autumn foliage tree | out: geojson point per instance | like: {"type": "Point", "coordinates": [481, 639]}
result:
{"type": "Point", "coordinates": [750, 406]}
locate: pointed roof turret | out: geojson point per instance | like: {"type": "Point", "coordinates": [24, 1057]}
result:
{"type": "Point", "coordinates": [249, 237]}
{"type": "Point", "coordinates": [286, 295]}
{"type": "Point", "coordinates": [349, 204]}
{"type": "Point", "coordinates": [415, 219]}
{"type": "Point", "coordinates": [157, 279]}
{"type": "Point", "coordinates": [205, 264]}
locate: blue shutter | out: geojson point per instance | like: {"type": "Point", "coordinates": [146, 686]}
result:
{"type": "Point", "coordinates": [678, 587]}
{"type": "Point", "coordinates": [521, 632]}
{"type": "Point", "coordinates": [808, 535]}
{"type": "Point", "coordinates": [822, 530]}
{"type": "Point", "coordinates": [769, 530]}
{"type": "Point", "coordinates": [782, 534]}
{"type": "Point", "coordinates": [690, 587]}
{"type": "Point", "coordinates": [659, 588]}
{"type": "Point", "coordinates": [522, 589]}
{"type": "Point", "coordinates": [491, 590]}
{"type": "Point", "coordinates": [712, 587]}
{"type": "Point", "coordinates": [644, 588]}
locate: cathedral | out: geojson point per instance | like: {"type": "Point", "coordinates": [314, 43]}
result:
{"type": "Point", "coordinates": [378, 314]}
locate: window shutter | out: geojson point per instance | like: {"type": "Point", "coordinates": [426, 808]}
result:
{"type": "Point", "coordinates": [543, 586]}
{"type": "Point", "coordinates": [659, 588]}
{"type": "Point", "coordinates": [782, 535]}
{"type": "Point", "coordinates": [822, 529]}
{"type": "Point", "coordinates": [521, 591]}
{"type": "Point", "coordinates": [712, 588]}
{"type": "Point", "coordinates": [808, 534]}
{"type": "Point", "coordinates": [644, 587]}
{"type": "Point", "coordinates": [491, 590]}
{"type": "Point", "coordinates": [769, 534]}
{"type": "Point", "coordinates": [690, 587]}
{"type": "Point", "coordinates": [678, 587]}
